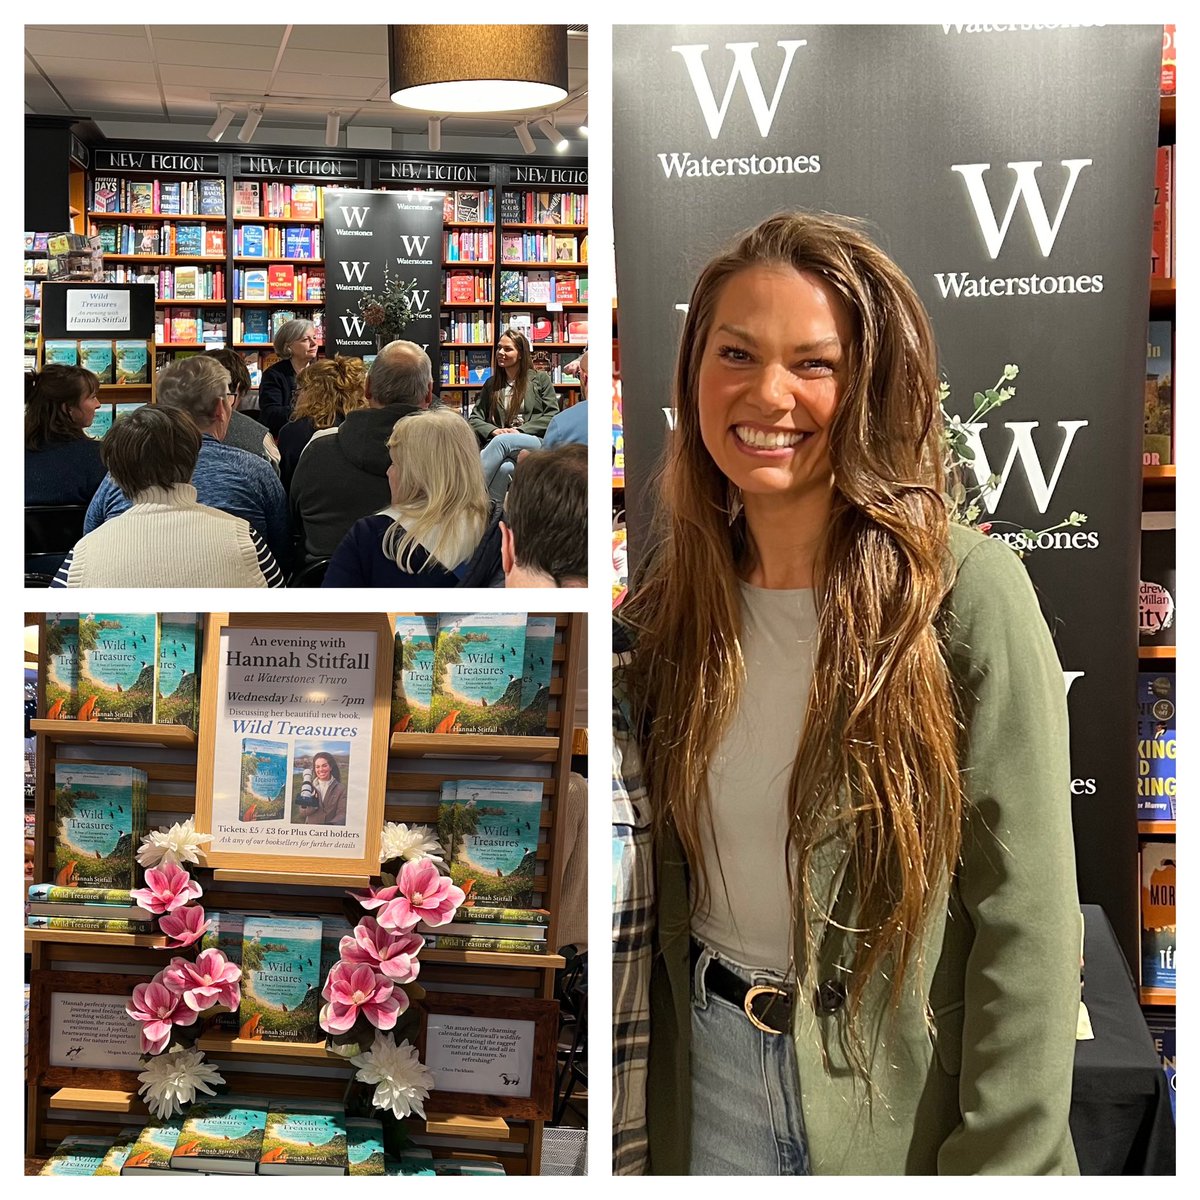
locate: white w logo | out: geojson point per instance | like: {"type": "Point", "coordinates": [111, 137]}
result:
{"type": "Point", "coordinates": [414, 245]}
{"type": "Point", "coordinates": [354, 271]}
{"type": "Point", "coordinates": [353, 327]}
{"type": "Point", "coordinates": [417, 301]}
{"type": "Point", "coordinates": [355, 216]}
{"type": "Point", "coordinates": [1022, 447]}
{"type": "Point", "coordinates": [1027, 187]}
{"type": "Point", "coordinates": [743, 68]}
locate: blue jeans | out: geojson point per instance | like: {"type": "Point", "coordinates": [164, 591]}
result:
{"type": "Point", "coordinates": [746, 1115]}
{"type": "Point", "coordinates": [499, 460]}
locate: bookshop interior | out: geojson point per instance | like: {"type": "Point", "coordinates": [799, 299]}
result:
{"type": "Point", "coordinates": [306, 893]}
{"type": "Point", "coordinates": [290, 254]}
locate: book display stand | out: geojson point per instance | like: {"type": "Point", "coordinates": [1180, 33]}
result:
{"type": "Point", "coordinates": [62, 1100]}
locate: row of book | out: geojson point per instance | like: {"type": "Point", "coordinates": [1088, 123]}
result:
{"type": "Point", "coordinates": [543, 287]}
{"type": "Point", "coordinates": [190, 326]}
{"type": "Point", "coordinates": [279, 281]}
{"type": "Point", "coordinates": [467, 325]}
{"type": "Point", "coordinates": [1162, 238]}
{"type": "Point", "coordinates": [1156, 746]}
{"type": "Point", "coordinates": [1158, 441]}
{"type": "Point", "coordinates": [173, 283]}
{"type": "Point", "coordinates": [121, 361]}
{"type": "Point", "coordinates": [543, 247]}
{"type": "Point", "coordinates": [462, 367]}
{"type": "Point", "coordinates": [468, 245]}
{"type": "Point", "coordinates": [1158, 920]}
{"type": "Point", "coordinates": [107, 414]}
{"type": "Point", "coordinates": [1157, 618]}
{"type": "Point", "coordinates": [278, 241]}
{"type": "Point", "coordinates": [551, 327]}
{"type": "Point", "coordinates": [544, 208]}
{"type": "Point", "coordinates": [466, 205]}
{"type": "Point", "coordinates": [467, 286]}
{"type": "Point", "coordinates": [262, 324]}
{"type": "Point", "coordinates": [233, 1135]}
{"type": "Point", "coordinates": [287, 201]}
{"type": "Point", "coordinates": [167, 237]}
{"type": "Point", "coordinates": [193, 197]}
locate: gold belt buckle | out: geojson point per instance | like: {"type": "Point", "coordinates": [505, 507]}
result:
{"type": "Point", "coordinates": [751, 994]}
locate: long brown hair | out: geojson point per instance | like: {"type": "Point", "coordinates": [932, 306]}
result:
{"type": "Point", "coordinates": [50, 394]}
{"type": "Point", "coordinates": [516, 397]}
{"type": "Point", "coordinates": [877, 760]}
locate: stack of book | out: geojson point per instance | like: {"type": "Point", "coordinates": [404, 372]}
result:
{"type": "Point", "coordinates": [104, 910]}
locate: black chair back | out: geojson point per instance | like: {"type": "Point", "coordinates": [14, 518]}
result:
{"type": "Point", "coordinates": [309, 575]}
{"type": "Point", "coordinates": [51, 531]}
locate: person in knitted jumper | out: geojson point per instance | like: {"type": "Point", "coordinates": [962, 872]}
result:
{"type": "Point", "coordinates": [165, 538]}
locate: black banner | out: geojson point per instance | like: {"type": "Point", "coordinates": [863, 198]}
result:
{"type": "Point", "coordinates": [299, 166]}
{"type": "Point", "coordinates": [548, 176]}
{"type": "Point", "coordinates": [169, 162]}
{"type": "Point", "coordinates": [439, 172]}
{"type": "Point", "coordinates": [1009, 169]}
{"type": "Point", "coordinates": [372, 240]}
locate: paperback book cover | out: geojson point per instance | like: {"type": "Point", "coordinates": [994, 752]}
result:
{"type": "Point", "coordinates": [467, 206]}
{"type": "Point", "coordinates": [412, 674]}
{"type": "Point", "coordinates": [256, 324]}
{"type": "Point", "coordinates": [479, 366]}
{"type": "Point", "coordinates": [102, 422]}
{"type": "Point", "coordinates": [254, 287]}
{"type": "Point", "coordinates": [512, 287]}
{"type": "Point", "coordinates": [477, 671]}
{"type": "Point", "coordinates": [100, 819]}
{"type": "Point", "coordinates": [189, 239]}
{"type": "Point", "coordinates": [1158, 915]}
{"type": "Point", "coordinates": [97, 357]}
{"type": "Point", "coordinates": [225, 934]}
{"type": "Point", "coordinates": [281, 984]}
{"type": "Point", "coordinates": [537, 287]}
{"type": "Point", "coordinates": [49, 893]}
{"type": "Point", "coordinates": [214, 242]}
{"type": "Point", "coordinates": [78, 1154]}
{"type": "Point", "coordinates": [246, 199]}
{"type": "Point", "coordinates": [133, 361]}
{"type": "Point", "coordinates": [487, 917]}
{"type": "Point", "coordinates": [141, 197]}
{"type": "Point", "coordinates": [119, 1151]}
{"type": "Point", "coordinates": [169, 198]}
{"type": "Point", "coordinates": [176, 683]}
{"type": "Point", "coordinates": [264, 779]}
{"type": "Point", "coordinates": [187, 283]}
{"type": "Point", "coordinates": [106, 193]}
{"type": "Point", "coordinates": [89, 924]}
{"type": "Point", "coordinates": [1157, 450]}
{"type": "Point", "coordinates": [253, 238]}
{"type": "Point", "coordinates": [1156, 746]}
{"type": "Point", "coordinates": [153, 1149]}
{"type": "Point", "coordinates": [118, 652]}
{"type": "Point", "coordinates": [1156, 589]}
{"type": "Point", "coordinates": [535, 678]}
{"type": "Point", "coordinates": [364, 1145]}
{"type": "Point", "coordinates": [304, 1138]}
{"type": "Point", "coordinates": [489, 832]}
{"type": "Point", "coordinates": [62, 675]}
{"type": "Point", "coordinates": [281, 282]}
{"type": "Point", "coordinates": [304, 201]}
{"type": "Point", "coordinates": [66, 353]}
{"type": "Point", "coordinates": [222, 1135]}
{"type": "Point", "coordinates": [441, 941]}
{"type": "Point", "coordinates": [212, 197]}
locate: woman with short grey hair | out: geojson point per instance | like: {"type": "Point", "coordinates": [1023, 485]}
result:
{"type": "Point", "coordinates": [296, 344]}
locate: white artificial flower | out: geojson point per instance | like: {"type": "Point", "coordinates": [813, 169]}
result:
{"type": "Point", "coordinates": [399, 841]}
{"type": "Point", "coordinates": [402, 1081]}
{"type": "Point", "coordinates": [179, 844]}
{"type": "Point", "coordinates": [172, 1080]}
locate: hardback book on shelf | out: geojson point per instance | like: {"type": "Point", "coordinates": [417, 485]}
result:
{"type": "Point", "coordinates": [443, 941]}
{"type": "Point", "coordinates": [247, 199]}
{"type": "Point", "coordinates": [1156, 746]}
{"type": "Point", "coordinates": [477, 671]}
{"type": "Point", "coordinates": [1162, 250]}
{"type": "Point", "coordinates": [221, 1135]}
{"type": "Point", "coordinates": [535, 676]}
{"type": "Point", "coordinates": [488, 916]}
{"type": "Point", "coordinates": [119, 1151]}
{"type": "Point", "coordinates": [51, 900]}
{"type": "Point", "coordinates": [281, 983]}
{"type": "Point", "coordinates": [62, 673]}
{"type": "Point", "coordinates": [1157, 443]}
{"type": "Point", "coordinates": [304, 1137]}
{"type": "Point", "coordinates": [493, 930]}
{"type": "Point", "coordinates": [61, 351]}
{"type": "Point", "coordinates": [177, 686]}
{"type": "Point", "coordinates": [1158, 914]}
{"type": "Point", "coordinates": [78, 1154]}
{"type": "Point", "coordinates": [102, 422]}
{"type": "Point", "coordinates": [364, 1146]}
{"type": "Point", "coordinates": [1156, 589]}
{"type": "Point", "coordinates": [97, 356]}
{"type": "Point", "coordinates": [153, 1149]}
{"type": "Point", "coordinates": [133, 361]}
{"type": "Point", "coordinates": [412, 674]}
{"type": "Point", "coordinates": [99, 821]}
{"type": "Point", "coordinates": [37, 920]}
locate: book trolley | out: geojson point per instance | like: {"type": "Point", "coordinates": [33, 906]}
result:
{"type": "Point", "coordinates": [417, 765]}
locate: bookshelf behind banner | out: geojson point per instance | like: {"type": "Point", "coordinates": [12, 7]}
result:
{"type": "Point", "coordinates": [417, 767]}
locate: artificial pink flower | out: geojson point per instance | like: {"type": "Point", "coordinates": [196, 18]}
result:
{"type": "Point", "coordinates": [167, 888]}
{"type": "Point", "coordinates": [185, 926]}
{"type": "Point", "coordinates": [375, 897]}
{"type": "Point", "coordinates": [356, 988]}
{"type": "Point", "coordinates": [424, 896]}
{"type": "Point", "coordinates": [211, 979]}
{"type": "Point", "coordinates": [395, 954]}
{"type": "Point", "coordinates": [159, 1009]}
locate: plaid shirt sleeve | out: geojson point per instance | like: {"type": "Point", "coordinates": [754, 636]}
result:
{"type": "Point", "coordinates": [633, 919]}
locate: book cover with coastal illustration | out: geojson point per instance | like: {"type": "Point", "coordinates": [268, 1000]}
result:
{"type": "Point", "coordinates": [177, 685]}
{"type": "Point", "coordinates": [264, 780]}
{"type": "Point", "coordinates": [117, 655]}
{"type": "Point", "coordinates": [77, 1154]}
{"type": "Point", "coordinates": [222, 1135]}
{"type": "Point", "coordinates": [304, 1138]}
{"type": "Point", "coordinates": [477, 666]}
{"type": "Point", "coordinates": [100, 819]}
{"type": "Point", "coordinates": [364, 1145]}
{"type": "Point", "coordinates": [118, 1152]}
{"type": "Point", "coordinates": [225, 934]}
{"type": "Point", "coordinates": [152, 1151]}
{"type": "Point", "coordinates": [281, 983]}
{"type": "Point", "coordinates": [62, 656]}
{"type": "Point", "coordinates": [1156, 746]}
{"type": "Point", "coordinates": [489, 832]}
{"type": "Point", "coordinates": [530, 721]}
{"type": "Point", "coordinates": [412, 673]}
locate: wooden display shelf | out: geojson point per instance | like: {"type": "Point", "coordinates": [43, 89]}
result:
{"type": "Point", "coordinates": [473, 745]}
{"type": "Point", "coordinates": [94, 1100]}
{"type": "Point", "coordinates": [189, 304]}
{"type": "Point", "coordinates": [1157, 996]}
{"type": "Point", "coordinates": [469, 345]}
{"type": "Point", "coordinates": [494, 958]}
{"type": "Point", "coordinates": [266, 260]}
{"type": "Point", "coordinates": [469, 224]}
{"type": "Point", "coordinates": [1162, 293]}
{"type": "Point", "coordinates": [182, 218]}
{"type": "Point", "coordinates": [255, 345]}
{"type": "Point", "coordinates": [224, 1042]}
{"type": "Point", "coordinates": [280, 304]}
{"type": "Point", "coordinates": [579, 742]}
{"type": "Point", "coordinates": [1158, 477]}
{"type": "Point", "coordinates": [484, 1129]}
{"type": "Point", "coordinates": [1156, 652]}
{"type": "Point", "coordinates": [181, 346]}
{"type": "Point", "coordinates": [543, 304]}
{"type": "Point", "coordinates": [546, 225]}
{"type": "Point", "coordinates": [289, 878]}
{"type": "Point", "coordinates": [574, 265]}
{"type": "Point", "coordinates": [180, 258]}
{"type": "Point", "coordinates": [91, 937]}
{"type": "Point", "coordinates": [176, 736]}
{"type": "Point", "coordinates": [468, 262]}
{"type": "Point", "coordinates": [278, 220]}
{"type": "Point", "coordinates": [1152, 827]}
{"type": "Point", "coordinates": [463, 303]}
{"type": "Point", "coordinates": [123, 387]}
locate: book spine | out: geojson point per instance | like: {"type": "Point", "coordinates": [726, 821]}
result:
{"type": "Point", "coordinates": [501, 945]}
{"type": "Point", "coordinates": [503, 916]}
{"type": "Point", "coordinates": [40, 893]}
{"type": "Point", "coordinates": [90, 924]}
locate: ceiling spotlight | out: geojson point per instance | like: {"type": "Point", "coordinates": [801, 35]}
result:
{"type": "Point", "coordinates": [525, 137]}
{"type": "Point", "coordinates": [224, 119]}
{"type": "Point", "coordinates": [583, 131]}
{"type": "Point", "coordinates": [498, 68]}
{"type": "Point", "coordinates": [552, 135]}
{"type": "Point", "coordinates": [333, 126]}
{"type": "Point", "coordinates": [251, 123]}
{"type": "Point", "coordinates": [435, 133]}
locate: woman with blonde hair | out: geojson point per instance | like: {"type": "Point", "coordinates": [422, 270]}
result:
{"type": "Point", "coordinates": [842, 782]}
{"type": "Point", "coordinates": [441, 530]}
{"type": "Point", "coordinates": [326, 392]}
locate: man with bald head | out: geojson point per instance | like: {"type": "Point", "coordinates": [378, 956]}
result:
{"type": "Point", "coordinates": [342, 474]}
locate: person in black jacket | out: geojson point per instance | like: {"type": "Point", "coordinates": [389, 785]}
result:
{"type": "Point", "coordinates": [296, 344]}
{"type": "Point", "coordinates": [62, 464]}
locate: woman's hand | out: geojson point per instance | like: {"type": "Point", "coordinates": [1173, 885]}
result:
{"type": "Point", "coordinates": [498, 432]}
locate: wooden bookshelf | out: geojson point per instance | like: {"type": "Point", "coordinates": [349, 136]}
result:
{"type": "Point", "coordinates": [282, 879]}
{"type": "Point", "coordinates": [481, 1129]}
{"type": "Point", "coordinates": [474, 745]}
{"type": "Point", "coordinates": [494, 958]}
{"type": "Point", "coordinates": [1157, 828]}
{"type": "Point", "coordinates": [1156, 652]}
{"type": "Point", "coordinates": [148, 218]}
{"type": "Point", "coordinates": [92, 937]}
{"type": "Point", "coordinates": [1158, 477]}
{"type": "Point", "coordinates": [1161, 996]}
{"type": "Point", "coordinates": [79, 1099]}
{"type": "Point", "coordinates": [105, 732]}
{"type": "Point", "coordinates": [220, 1042]}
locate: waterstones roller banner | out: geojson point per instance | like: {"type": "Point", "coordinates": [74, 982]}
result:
{"type": "Point", "coordinates": [374, 240]}
{"type": "Point", "coordinates": [1009, 169]}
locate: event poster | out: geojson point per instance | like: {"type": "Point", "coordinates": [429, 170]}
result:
{"type": "Point", "coordinates": [292, 744]}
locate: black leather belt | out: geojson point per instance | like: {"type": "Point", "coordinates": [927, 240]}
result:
{"type": "Point", "coordinates": [767, 1007]}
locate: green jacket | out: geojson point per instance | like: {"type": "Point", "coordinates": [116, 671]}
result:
{"type": "Point", "coordinates": [538, 408]}
{"type": "Point", "coordinates": [983, 1086]}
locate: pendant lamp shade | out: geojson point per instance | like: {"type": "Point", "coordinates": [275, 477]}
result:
{"type": "Point", "coordinates": [477, 68]}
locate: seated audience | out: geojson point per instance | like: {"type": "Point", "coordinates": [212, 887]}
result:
{"type": "Point", "coordinates": [544, 531]}
{"type": "Point", "coordinates": [244, 431]}
{"type": "Point", "coordinates": [296, 344]}
{"type": "Point", "coordinates": [342, 473]}
{"type": "Point", "coordinates": [225, 478]}
{"type": "Point", "coordinates": [164, 538]}
{"type": "Point", "coordinates": [571, 425]}
{"type": "Point", "coordinates": [62, 464]}
{"type": "Point", "coordinates": [327, 391]}
{"type": "Point", "coordinates": [440, 530]}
